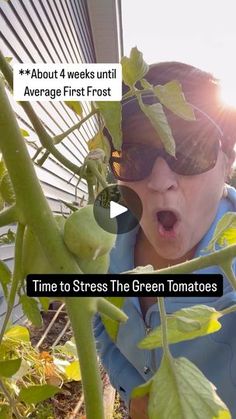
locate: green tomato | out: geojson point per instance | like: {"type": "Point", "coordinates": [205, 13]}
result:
{"type": "Point", "coordinates": [34, 259]}
{"type": "Point", "coordinates": [97, 266]}
{"type": "Point", "coordinates": [84, 237]}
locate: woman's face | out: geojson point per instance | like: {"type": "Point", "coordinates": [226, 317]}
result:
{"type": "Point", "coordinates": [190, 202]}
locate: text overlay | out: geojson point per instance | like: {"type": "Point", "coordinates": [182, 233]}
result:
{"type": "Point", "coordinates": [72, 82]}
{"type": "Point", "coordinates": [73, 285]}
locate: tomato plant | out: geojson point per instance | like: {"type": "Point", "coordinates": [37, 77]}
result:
{"type": "Point", "coordinates": [93, 241]}
{"type": "Point", "coordinates": [46, 244]}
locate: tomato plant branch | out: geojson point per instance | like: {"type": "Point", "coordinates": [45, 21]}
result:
{"type": "Point", "coordinates": [58, 138]}
{"type": "Point", "coordinates": [35, 211]}
{"type": "Point", "coordinates": [16, 278]}
{"type": "Point", "coordinates": [164, 330]}
{"type": "Point", "coordinates": [228, 310]}
{"type": "Point", "coordinates": [91, 164]}
{"type": "Point", "coordinates": [81, 318]}
{"type": "Point", "coordinates": [110, 310]}
{"type": "Point", "coordinates": [91, 196]}
{"type": "Point", "coordinates": [6, 70]}
{"type": "Point", "coordinates": [8, 216]}
{"type": "Point", "coordinates": [45, 139]}
{"type": "Point", "coordinates": [217, 258]}
{"type": "Point", "coordinates": [38, 151]}
{"type": "Point", "coordinates": [228, 270]}
{"type": "Point", "coordinates": [10, 400]}
{"type": "Point", "coordinates": [43, 158]}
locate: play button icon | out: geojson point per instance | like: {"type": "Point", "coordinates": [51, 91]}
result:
{"type": "Point", "coordinates": [117, 209]}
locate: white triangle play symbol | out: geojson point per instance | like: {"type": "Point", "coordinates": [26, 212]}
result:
{"type": "Point", "coordinates": [116, 209]}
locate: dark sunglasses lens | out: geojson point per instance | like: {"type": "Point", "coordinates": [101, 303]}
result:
{"type": "Point", "coordinates": [196, 153]}
{"type": "Point", "coordinates": [194, 164]}
{"type": "Point", "coordinates": [197, 147]}
{"type": "Point", "coordinates": [133, 163]}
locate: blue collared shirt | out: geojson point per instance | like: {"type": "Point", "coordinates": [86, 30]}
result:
{"type": "Point", "coordinates": [214, 354]}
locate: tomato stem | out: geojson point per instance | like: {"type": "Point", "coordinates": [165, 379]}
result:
{"type": "Point", "coordinates": [81, 321]}
{"type": "Point", "coordinates": [34, 209]}
{"type": "Point", "coordinates": [164, 329]}
{"type": "Point", "coordinates": [58, 138]}
{"type": "Point", "coordinates": [110, 310]}
{"type": "Point", "coordinates": [219, 257]}
{"type": "Point", "coordinates": [8, 216]}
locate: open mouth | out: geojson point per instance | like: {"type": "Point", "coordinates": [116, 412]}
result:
{"type": "Point", "coordinates": [167, 221]}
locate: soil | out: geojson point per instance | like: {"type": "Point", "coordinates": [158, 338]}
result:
{"type": "Point", "coordinates": [64, 405]}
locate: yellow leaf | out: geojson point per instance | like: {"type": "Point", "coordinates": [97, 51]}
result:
{"type": "Point", "coordinates": [185, 324]}
{"type": "Point", "coordinates": [75, 106]}
{"type": "Point", "coordinates": [228, 237]}
{"type": "Point", "coordinates": [17, 333]}
{"type": "Point", "coordinates": [72, 371]}
{"type": "Point", "coordinates": [225, 232]}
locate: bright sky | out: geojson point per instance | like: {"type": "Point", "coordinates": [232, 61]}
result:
{"type": "Point", "coordinates": [197, 32]}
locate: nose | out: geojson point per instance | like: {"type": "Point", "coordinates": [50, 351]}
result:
{"type": "Point", "coordinates": [162, 178]}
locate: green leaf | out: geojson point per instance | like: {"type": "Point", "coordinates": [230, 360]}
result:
{"type": "Point", "coordinates": [37, 393]}
{"type": "Point", "coordinates": [75, 106]}
{"type": "Point", "coordinates": [17, 333]}
{"type": "Point", "coordinates": [5, 412]}
{"type": "Point", "coordinates": [72, 371]}
{"type": "Point", "coordinates": [159, 121]}
{"type": "Point", "coordinates": [112, 326]}
{"type": "Point", "coordinates": [134, 68]}
{"type": "Point", "coordinates": [22, 371]}
{"type": "Point", "coordinates": [5, 277]}
{"type": "Point", "coordinates": [180, 390]}
{"type": "Point", "coordinates": [225, 232]}
{"type": "Point", "coordinates": [24, 132]}
{"type": "Point", "coordinates": [100, 141]}
{"type": "Point", "coordinates": [185, 324]}
{"type": "Point", "coordinates": [9, 367]}
{"type": "Point", "coordinates": [69, 348]}
{"type": "Point", "coordinates": [45, 302]}
{"type": "Point", "coordinates": [8, 237]}
{"type": "Point", "coordinates": [111, 113]}
{"type": "Point", "coordinates": [142, 390]}
{"type": "Point", "coordinates": [172, 97]}
{"type": "Point", "coordinates": [31, 310]}
{"type": "Point", "coordinates": [6, 189]}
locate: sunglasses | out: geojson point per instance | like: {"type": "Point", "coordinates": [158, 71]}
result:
{"type": "Point", "coordinates": [197, 146]}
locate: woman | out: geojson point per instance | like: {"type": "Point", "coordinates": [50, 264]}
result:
{"type": "Point", "coordinates": [183, 199]}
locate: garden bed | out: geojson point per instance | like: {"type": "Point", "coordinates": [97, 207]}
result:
{"type": "Point", "coordinates": [69, 403]}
